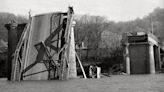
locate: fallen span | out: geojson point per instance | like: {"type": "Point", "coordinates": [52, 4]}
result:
{"type": "Point", "coordinates": [46, 49]}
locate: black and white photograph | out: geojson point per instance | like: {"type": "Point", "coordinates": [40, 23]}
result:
{"type": "Point", "coordinates": [82, 46]}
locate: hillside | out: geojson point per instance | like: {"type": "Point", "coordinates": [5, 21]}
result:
{"type": "Point", "coordinates": [102, 37]}
{"type": "Point", "coordinates": [91, 26]}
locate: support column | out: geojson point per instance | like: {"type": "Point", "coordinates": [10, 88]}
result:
{"type": "Point", "coordinates": [151, 59]}
{"type": "Point", "coordinates": [12, 43]}
{"type": "Point", "coordinates": [159, 57]}
{"type": "Point", "coordinates": [127, 58]}
{"type": "Point", "coordinates": [72, 58]}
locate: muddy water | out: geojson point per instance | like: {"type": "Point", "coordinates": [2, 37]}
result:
{"type": "Point", "coordinates": [116, 83]}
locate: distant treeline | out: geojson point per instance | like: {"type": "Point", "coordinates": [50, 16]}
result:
{"type": "Point", "coordinates": [92, 27]}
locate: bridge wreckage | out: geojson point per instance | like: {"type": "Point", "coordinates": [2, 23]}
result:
{"type": "Point", "coordinates": [46, 49]}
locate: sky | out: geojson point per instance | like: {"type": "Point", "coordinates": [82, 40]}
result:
{"type": "Point", "coordinates": [115, 10]}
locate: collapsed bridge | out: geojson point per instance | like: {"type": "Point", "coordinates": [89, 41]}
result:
{"type": "Point", "coordinates": [46, 49]}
